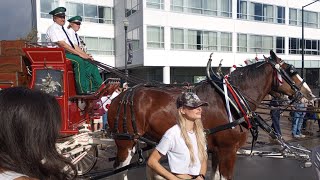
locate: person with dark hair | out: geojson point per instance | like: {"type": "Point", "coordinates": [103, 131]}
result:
{"type": "Point", "coordinates": [30, 121]}
{"type": "Point", "coordinates": [184, 143]}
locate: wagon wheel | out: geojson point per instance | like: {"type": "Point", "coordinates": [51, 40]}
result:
{"type": "Point", "coordinates": [87, 163]}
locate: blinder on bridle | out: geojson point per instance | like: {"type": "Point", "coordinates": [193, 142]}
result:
{"type": "Point", "coordinates": [286, 74]}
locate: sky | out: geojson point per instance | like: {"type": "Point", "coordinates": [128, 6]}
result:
{"type": "Point", "coordinates": [15, 19]}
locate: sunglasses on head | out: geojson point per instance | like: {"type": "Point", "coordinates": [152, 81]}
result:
{"type": "Point", "coordinates": [77, 23]}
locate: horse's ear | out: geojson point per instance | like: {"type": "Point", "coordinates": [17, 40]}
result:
{"type": "Point", "coordinates": [266, 59]}
{"type": "Point", "coordinates": [273, 55]}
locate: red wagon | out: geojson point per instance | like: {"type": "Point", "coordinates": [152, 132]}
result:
{"type": "Point", "coordinates": [48, 69]}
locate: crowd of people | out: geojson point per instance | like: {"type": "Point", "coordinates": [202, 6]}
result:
{"type": "Point", "coordinates": [303, 116]}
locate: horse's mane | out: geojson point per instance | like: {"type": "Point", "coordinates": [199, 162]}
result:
{"type": "Point", "coordinates": [250, 72]}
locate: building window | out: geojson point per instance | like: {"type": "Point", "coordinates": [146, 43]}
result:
{"type": "Point", "coordinates": [90, 13]}
{"type": "Point", "coordinates": [280, 44]}
{"type": "Point", "coordinates": [280, 14]}
{"type": "Point", "coordinates": [98, 45]}
{"type": "Point", "coordinates": [194, 6]}
{"type": "Point", "coordinates": [200, 40]}
{"type": "Point", "coordinates": [293, 16]}
{"type": "Point", "coordinates": [95, 45]}
{"type": "Point", "coordinates": [155, 4]}
{"type": "Point", "coordinates": [177, 5]}
{"type": "Point", "coordinates": [242, 10]}
{"type": "Point", "coordinates": [133, 38]}
{"type": "Point", "coordinates": [210, 7]}
{"type": "Point", "coordinates": [206, 7]}
{"type": "Point", "coordinates": [132, 6]}
{"type": "Point", "coordinates": [310, 18]}
{"type": "Point", "coordinates": [226, 8]}
{"type": "Point", "coordinates": [177, 38]}
{"type": "Point", "coordinates": [294, 45]}
{"type": "Point", "coordinates": [74, 9]}
{"type": "Point", "coordinates": [105, 15]}
{"type": "Point", "coordinates": [311, 47]}
{"type": "Point", "coordinates": [255, 11]}
{"type": "Point", "coordinates": [242, 43]}
{"type": "Point", "coordinates": [267, 13]}
{"type": "Point", "coordinates": [46, 6]}
{"type": "Point", "coordinates": [260, 12]}
{"type": "Point", "coordinates": [226, 41]}
{"type": "Point", "coordinates": [210, 41]}
{"type": "Point", "coordinates": [155, 37]}
{"type": "Point", "coordinates": [194, 39]}
{"type": "Point", "coordinates": [260, 44]}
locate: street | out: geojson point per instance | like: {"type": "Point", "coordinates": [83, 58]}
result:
{"type": "Point", "coordinates": [247, 168]}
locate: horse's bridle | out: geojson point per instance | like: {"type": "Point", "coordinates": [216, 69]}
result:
{"type": "Point", "coordinates": [286, 74]}
{"type": "Point", "coordinates": [291, 71]}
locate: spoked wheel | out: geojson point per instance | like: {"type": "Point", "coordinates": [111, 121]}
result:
{"type": "Point", "coordinates": [87, 162]}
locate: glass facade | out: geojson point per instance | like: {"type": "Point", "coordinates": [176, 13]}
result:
{"type": "Point", "coordinates": [260, 43]}
{"type": "Point", "coordinates": [95, 45]}
{"type": "Point", "coordinates": [222, 8]}
{"type": "Point", "coordinates": [134, 39]}
{"type": "Point", "coordinates": [311, 19]}
{"type": "Point", "coordinates": [254, 11]}
{"type": "Point", "coordinates": [311, 47]}
{"type": "Point", "coordinates": [99, 45]}
{"type": "Point", "coordinates": [155, 4]}
{"type": "Point", "coordinates": [131, 6]}
{"type": "Point", "coordinates": [46, 6]}
{"type": "Point", "coordinates": [155, 37]}
{"type": "Point", "coordinates": [192, 39]}
{"type": "Point", "coordinates": [90, 13]}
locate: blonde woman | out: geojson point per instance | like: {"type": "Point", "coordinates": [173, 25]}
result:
{"type": "Point", "coordinates": [184, 144]}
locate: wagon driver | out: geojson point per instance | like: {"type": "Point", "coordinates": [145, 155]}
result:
{"type": "Point", "coordinates": [87, 75]}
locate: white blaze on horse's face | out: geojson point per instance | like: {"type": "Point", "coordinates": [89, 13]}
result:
{"type": "Point", "coordinates": [305, 89]}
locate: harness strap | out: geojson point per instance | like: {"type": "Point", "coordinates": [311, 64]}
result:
{"type": "Point", "coordinates": [227, 99]}
{"type": "Point", "coordinates": [239, 105]}
{"type": "Point", "coordinates": [116, 122]}
{"type": "Point", "coordinates": [133, 117]}
{"type": "Point", "coordinates": [224, 126]}
{"type": "Point", "coordinates": [124, 118]}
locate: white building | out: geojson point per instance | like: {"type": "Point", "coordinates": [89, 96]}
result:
{"type": "Point", "coordinates": [172, 39]}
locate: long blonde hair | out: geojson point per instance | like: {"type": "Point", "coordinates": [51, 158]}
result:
{"type": "Point", "coordinates": [200, 136]}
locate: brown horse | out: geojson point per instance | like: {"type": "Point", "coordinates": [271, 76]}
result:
{"type": "Point", "coordinates": [154, 111]}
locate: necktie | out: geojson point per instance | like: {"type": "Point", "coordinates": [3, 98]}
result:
{"type": "Point", "coordinates": [67, 37]}
{"type": "Point", "coordinates": [77, 39]}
